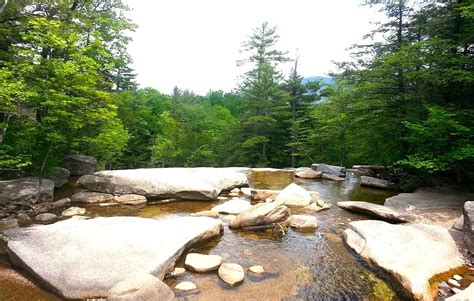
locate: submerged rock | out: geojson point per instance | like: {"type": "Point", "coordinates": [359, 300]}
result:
{"type": "Point", "coordinates": [234, 206]}
{"type": "Point", "coordinates": [411, 254]}
{"type": "Point", "coordinates": [207, 213]}
{"type": "Point", "coordinates": [85, 258]}
{"type": "Point", "coordinates": [231, 273]}
{"type": "Point", "coordinates": [180, 183]}
{"type": "Point", "coordinates": [202, 262]}
{"type": "Point", "coordinates": [143, 287]}
{"type": "Point", "coordinates": [294, 196]}
{"type": "Point", "coordinates": [80, 165]}
{"type": "Point", "coordinates": [260, 214]}
{"type": "Point", "coordinates": [374, 210]}
{"type": "Point", "coordinates": [26, 190]}
{"type": "Point", "coordinates": [92, 197]}
{"type": "Point", "coordinates": [377, 183]}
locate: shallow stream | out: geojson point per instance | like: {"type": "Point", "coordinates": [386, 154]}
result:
{"type": "Point", "coordinates": [312, 265]}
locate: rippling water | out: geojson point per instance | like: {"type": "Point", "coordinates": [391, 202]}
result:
{"type": "Point", "coordinates": [300, 265]}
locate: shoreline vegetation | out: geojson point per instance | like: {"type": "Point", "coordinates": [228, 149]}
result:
{"type": "Point", "coordinates": [405, 100]}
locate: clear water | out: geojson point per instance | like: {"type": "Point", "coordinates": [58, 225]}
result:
{"type": "Point", "coordinates": [299, 266]}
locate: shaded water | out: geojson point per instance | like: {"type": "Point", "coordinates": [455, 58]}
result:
{"type": "Point", "coordinates": [300, 266]}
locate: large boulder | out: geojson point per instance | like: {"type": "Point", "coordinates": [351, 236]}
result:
{"type": "Point", "coordinates": [79, 165]}
{"type": "Point", "coordinates": [332, 169]}
{"type": "Point", "coordinates": [307, 173]}
{"type": "Point", "coordinates": [144, 287]}
{"type": "Point", "coordinates": [294, 196]}
{"type": "Point", "coordinates": [411, 254]}
{"type": "Point", "coordinates": [376, 183]}
{"type": "Point", "coordinates": [374, 210]}
{"type": "Point", "coordinates": [440, 206]}
{"type": "Point", "coordinates": [61, 176]}
{"type": "Point", "coordinates": [260, 214]}
{"type": "Point", "coordinates": [81, 259]}
{"type": "Point", "coordinates": [234, 206]}
{"type": "Point", "coordinates": [181, 183]}
{"type": "Point", "coordinates": [468, 227]}
{"type": "Point", "coordinates": [26, 190]}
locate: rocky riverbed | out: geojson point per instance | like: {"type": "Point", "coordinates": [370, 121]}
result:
{"type": "Point", "coordinates": [305, 257]}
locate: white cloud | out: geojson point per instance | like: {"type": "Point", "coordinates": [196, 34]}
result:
{"type": "Point", "coordinates": [194, 44]}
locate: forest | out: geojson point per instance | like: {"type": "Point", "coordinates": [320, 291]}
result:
{"type": "Point", "coordinates": [405, 100]}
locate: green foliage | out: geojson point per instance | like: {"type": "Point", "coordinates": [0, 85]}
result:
{"type": "Point", "coordinates": [56, 78]}
{"type": "Point", "coordinates": [408, 100]}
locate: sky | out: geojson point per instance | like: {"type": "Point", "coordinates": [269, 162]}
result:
{"type": "Point", "coordinates": [195, 44]}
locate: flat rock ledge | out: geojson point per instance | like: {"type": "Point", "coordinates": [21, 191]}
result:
{"type": "Point", "coordinates": [410, 254]}
{"type": "Point", "coordinates": [203, 183]}
{"type": "Point", "coordinates": [80, 259]}
{"type": "Point", "coordinates": [377, 211]}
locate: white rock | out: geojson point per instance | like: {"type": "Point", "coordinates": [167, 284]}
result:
{"type": "Point", "coordinates": [178, 271]}
{"type": "Point", "coordinates": [202, 262]}
{"type": "Point", "coordinates": [234, 206]}
{"type": "Point", "coordinates": [84, 258]}
{"type": "Point", "coordinates": [185, 286]}
{"type": "Point", "coordinates": [457, 277]}
{"type": "Point", "coordinates": [257, 269]}
{"type": "Point", "coordinates": [203, 183]}
{"type": "Point", "coordinates": [412, 253]}
{"type": "Point", "coordinates": [454, 283]}
{"type": "Point", "coordinates": [231, 273]}
{"type": "Point", "coordinates": [73, 211]}
{"type": "Point", "coordinates": [294, 196]}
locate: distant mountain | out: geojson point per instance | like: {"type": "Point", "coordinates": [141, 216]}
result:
{"type": "Point", "coordinates": [324, 79]}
